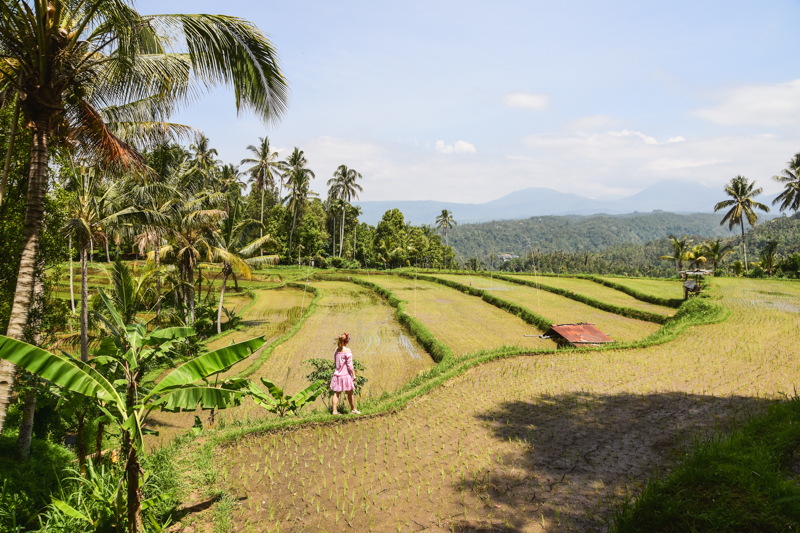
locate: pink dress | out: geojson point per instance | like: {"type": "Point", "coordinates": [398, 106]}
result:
{"type": "Point", "coordinates": [343, 376]}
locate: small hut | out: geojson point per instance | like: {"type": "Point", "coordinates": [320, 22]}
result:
{"type": "Point", "coordinates": [578, 335]}
{"type": "Point", "coordinates": [693, 287]}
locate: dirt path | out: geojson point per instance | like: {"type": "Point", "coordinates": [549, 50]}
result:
{"type": "Point", "coordinates": [530, 443]}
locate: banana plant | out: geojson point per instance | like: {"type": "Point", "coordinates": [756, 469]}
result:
{"type": "Point", "coordinates": [113, 380]}
{"type": "Point", "coordinates": [280, 403]}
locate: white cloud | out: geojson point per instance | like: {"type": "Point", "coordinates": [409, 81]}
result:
{"type": "Point", "coordinates": [773, 105]}
{"type": "Point", "coordinates": [675, 140]}
{"type": "Point", "coordinates": [526, 100]}
{"type": "Point", "coordinates": [444, 149]}
{"type": "Point", "coordinates": [463, 147]}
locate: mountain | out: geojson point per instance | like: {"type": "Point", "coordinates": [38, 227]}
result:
{"type": "Point", "coordinates": [673, 196]}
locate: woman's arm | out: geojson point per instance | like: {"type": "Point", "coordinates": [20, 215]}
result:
{"type": "Point", "coordinates": [350, 367]}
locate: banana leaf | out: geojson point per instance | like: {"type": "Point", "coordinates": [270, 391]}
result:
{"type": "Point", "coordinates": [207, 364]}
{"type": "Point", "coordinates": [273, 389]}
{"type": "Point", "coordinates": [190, 397]}
{"type": "Point", "coordinates": [64, 372]}
{"type": "Point", "coordinates": [309, 394]}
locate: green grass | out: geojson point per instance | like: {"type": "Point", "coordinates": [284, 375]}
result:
{"type": "Point", "coordinates": [667, 289]}
{"type": "Point", "coordinates": [746, 481]}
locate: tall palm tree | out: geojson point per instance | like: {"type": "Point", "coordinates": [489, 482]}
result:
{"type": "Point", "coordinates": [790, 178]}
{"type": "Point", "coordinates": [88, 216]}
{"type": "Point", "coordinates": [64, 60]}
{"type": "Point", "coordinates": [298, 181]}
{"type": "Point", "coordinates": [681, 250]}
{"type": "Point", "coordinates": [742, 206]}
{"type": "Point", "coordinates": [344, 187]}
{"type": "Point", "coordinates": [265, 167]}
{"type": "Point", "coordinates": [716, 251]}
{"type": "Point", "coordinates": [234, 245]}
{"type": "Point", "coordinates": [445, 221]}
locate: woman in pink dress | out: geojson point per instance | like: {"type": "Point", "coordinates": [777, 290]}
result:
{"type": "Point", "coordinates": [344, 375]}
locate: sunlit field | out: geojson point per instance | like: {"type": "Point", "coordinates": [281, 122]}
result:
{"type": "Point", "coordinates": [668, 288]}
{"type": "Point", "coordinates": [530, 443]}
{"type": "Point", "coordinates": [465, 323]}
{"type": "Point", "coordinates": [600, 292]}
{"type": "Point", "coordinates": [561, 310]}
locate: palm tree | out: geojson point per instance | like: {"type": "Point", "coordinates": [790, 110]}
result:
{"type": "Point", "coordinates": [716, 252]}
{"type": "Point", "coordinates": [790, 178]}
{"type": "Point", "coordinates": [344, 187]}
{"type": "Point", "coordinates": [767, 256]}
{"type": "Point", "coordinates": [681, 250]}
{"type": "Point", "coordinates": [742, 206]}
{"type": "Point", "coordinates": [87, 219]}
{"type": "Point", "coordinates": [298, 181]}
{"type": "Point", "coordinates": [696, 255]}
{"type": "Point", "coordinates": [64, 60]}
{"type": "Point", "coordinates": [265, 168]}
{"type": "Point", "coordinates": [233, 245]}
{"type": "Point", "coordinates": [444, 222]}
{"type": "Point", "coordinates": [203, 156]}
{"type": "Point", "coordinates": [737, 267]}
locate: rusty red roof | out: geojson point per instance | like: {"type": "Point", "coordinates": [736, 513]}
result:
{"type": "Point", "coordinates": [580, 334]}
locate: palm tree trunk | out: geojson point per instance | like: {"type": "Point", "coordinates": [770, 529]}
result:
{"type": "Point", "coordinates": [355, 229]}
{"type": "Point", "coordinates": [10, 152]}
{"type": "Point", "coordinates": [744, 248]}
{"type": "Point", "coordinates": [132, 469]}
{"type": "Point", "coordinates": [190, 289]}
{"type": "Point", "coordinates": [158, 279]}
{"type": "Point", "coordinates": [26, 427]}
{"type": "Point", "coordinates": [37, 186]}
{"type": "Point", "coordinates": [108, 255]}
{"type": "Point", "coordinates": [29, 406]}
{"type": "Point", "coordinates": [71, 276]}
{"type": "Point", "coordinates": [341, 230]}
{"type": "Point", "coordinates": [84, 306]}
{"type": "Point", "coordinates": [221, 298]}
{"type": "Point", "coordinates": [291, 233]}
{"type": "Point", "coordinates": [261, 229]}
{"type": "Point", "coordinates": [333, 238]}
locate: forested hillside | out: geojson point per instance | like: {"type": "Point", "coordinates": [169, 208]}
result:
{"type": "Point", "coordinates": [575, 233]}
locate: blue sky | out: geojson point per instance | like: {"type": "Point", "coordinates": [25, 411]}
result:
{"type": "Point", "coordinates": [469, 101]}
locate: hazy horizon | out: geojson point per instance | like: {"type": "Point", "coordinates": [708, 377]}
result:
{"type": "Point", "coordinates": [460, 102]}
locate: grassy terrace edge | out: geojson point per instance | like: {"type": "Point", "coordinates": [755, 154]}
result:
{"type": "Point", "coordinates": [638, 295]}
{"type": "Point", "coordinates": [738, 482]}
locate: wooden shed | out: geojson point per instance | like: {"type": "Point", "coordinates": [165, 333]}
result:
{"type": "Point", "coordinates": [581, 334]}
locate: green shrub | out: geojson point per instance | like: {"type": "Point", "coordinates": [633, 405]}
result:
{"type": "Point", "coordinates": [25, 487]}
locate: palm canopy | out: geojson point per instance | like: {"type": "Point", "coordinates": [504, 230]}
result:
{"type": "Point", "coordinates": [742, 205]}
{"type": "Point", "coordinates": [790, 178]}
{"type": "Point", "coordinates": [681, 250]}
{"type": "Point", "coordinates": [742, 202]}
{"type": "Point", "coordinates": [716, 251]}
{"type": "Point", "coordinates": [264, 165]}
{"type": "Point", "coordinates": [68, 59]}
{"type": "Point", "coordinates": [343, 183]}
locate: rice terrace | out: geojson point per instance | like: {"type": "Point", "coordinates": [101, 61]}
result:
{"type": "Point", "coordinates": [445, 270]}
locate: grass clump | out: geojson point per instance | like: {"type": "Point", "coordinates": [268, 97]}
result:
{"type": "Point", "coordinates": [747, 481]}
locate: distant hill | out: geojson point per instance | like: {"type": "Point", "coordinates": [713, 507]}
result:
{"type": "Point", "coordinates": [672, 196]}
{"type": "Point", "coordinates": [574, 233]}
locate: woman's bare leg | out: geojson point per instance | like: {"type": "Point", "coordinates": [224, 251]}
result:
{"type": "Point", "coordinates": [350, 399]}
{"type": "Point", "coordinates": [335, 402]}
